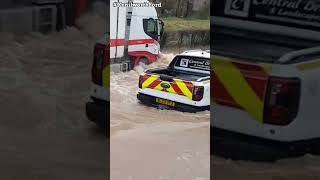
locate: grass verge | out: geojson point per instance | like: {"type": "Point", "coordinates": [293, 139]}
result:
{"type": "Point", "coordinates": [183, 24]}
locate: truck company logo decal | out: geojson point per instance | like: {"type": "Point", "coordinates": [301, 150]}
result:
{"type": "Point", "coordinates": [177, 86]}
{"type": "Point", "coordinates": [237, 7]}
{"type": "Point", "coordinates": [184, 62]}
{"type": "Point", "coordinates": [229, 76]}
{"type": "Point", "coordinates": [291, 13]}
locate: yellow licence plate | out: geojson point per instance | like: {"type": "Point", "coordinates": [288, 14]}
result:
{"type": "Point", "coordinates": [165, 102]}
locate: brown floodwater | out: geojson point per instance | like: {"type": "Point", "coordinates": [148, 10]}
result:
{"type": "Point", "coordinates": [44, 84]}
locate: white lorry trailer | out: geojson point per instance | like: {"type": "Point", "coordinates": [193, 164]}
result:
{"type": "Point", "coordinates": [135, 33]}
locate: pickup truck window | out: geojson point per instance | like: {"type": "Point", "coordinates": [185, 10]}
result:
{"type": "Point", "coordinates": [194, 64]}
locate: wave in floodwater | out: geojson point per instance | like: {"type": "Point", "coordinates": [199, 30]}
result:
{"type": "Point", "coordinates": [50, 74]}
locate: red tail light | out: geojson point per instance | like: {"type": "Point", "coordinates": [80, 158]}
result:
{"type": "Point", "coordinates": [197, 93]}
{"type": "Point", "coordinates": [140, 81]}
{"type": "Point", "coordinates": [282, 100]}
{"type": "Point", "coordinates": [98, 63]}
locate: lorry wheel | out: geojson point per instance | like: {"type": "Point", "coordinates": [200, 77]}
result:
{"type": "Point", "coordinates": [143, 62]}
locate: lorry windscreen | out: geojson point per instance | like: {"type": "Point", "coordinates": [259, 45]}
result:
{"type": "Point", "coordinates": [150, 27]}
{"type": "Point", "coordinates": [191, 64]}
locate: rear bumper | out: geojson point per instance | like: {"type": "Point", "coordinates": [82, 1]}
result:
{"type": "Point", "coordinates": [151, 101]}
{"type": "Point", "coordinates": [243, 147]}
{"type": "Point", "coordinates": [98, 112]}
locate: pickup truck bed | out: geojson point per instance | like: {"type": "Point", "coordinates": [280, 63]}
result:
{"type": "Point", "coordinates": [176, 74]}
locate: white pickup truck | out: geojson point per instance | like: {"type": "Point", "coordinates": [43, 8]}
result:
{"type": "Point", "coordinates": [265, 81]}
{"type": "Point", "coordinates": [183, 85]}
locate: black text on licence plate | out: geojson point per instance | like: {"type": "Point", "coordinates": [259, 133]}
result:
{"type": "Point", "coordinates": [165, 102]}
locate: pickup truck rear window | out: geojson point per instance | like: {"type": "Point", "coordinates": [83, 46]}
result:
{"type": "Point", "coordinates": [263, 30]}
{"type": "Point", "coordinates": [194, 64]}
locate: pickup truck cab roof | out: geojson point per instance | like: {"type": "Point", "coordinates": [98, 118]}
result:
{"type": "Point", "coordinates": [197, 53]}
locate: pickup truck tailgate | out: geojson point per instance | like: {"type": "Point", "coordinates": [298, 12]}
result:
{"type": "Point", "coordinates": [167, 85]}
